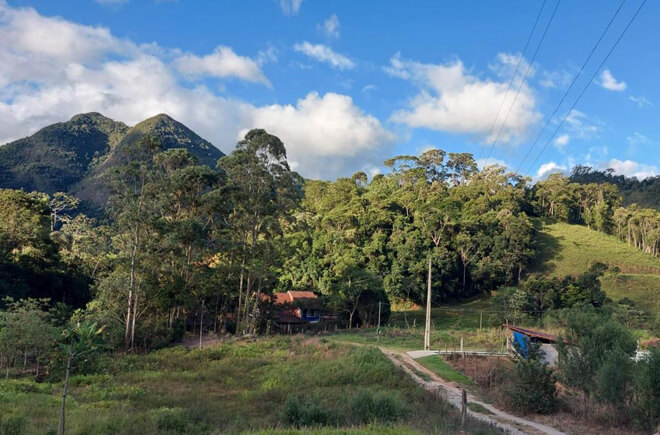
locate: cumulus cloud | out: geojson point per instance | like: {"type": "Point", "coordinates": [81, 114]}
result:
{"type": "Point", "coordinates": [640, 101]}
{"type": "Point", "coordinates": [608, 82]}
{"type": "Point", "coordinates": [550, 168]}
{"type": "Point", "coordinates": [327, 135]}
{"type": "Point", "coordinates": [223, 62]}
{"type": "Point", "coordinates": [630, 168]}
{"type": "Point", "coordinates": [323, 53]}
{"type": "Point", "coordinates": [330, 27]}
{"type": "Point", "coordinates": [71, 69]}
{"type": "Point", "coordinates": [451, 99]}
{"type": "Point", "coordinates": [290, 7]}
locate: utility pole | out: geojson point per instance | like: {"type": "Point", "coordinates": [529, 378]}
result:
{"type": "Point", "coordinates": [427, 331]}
{"type": "Point", "coordinates": [378, 337]}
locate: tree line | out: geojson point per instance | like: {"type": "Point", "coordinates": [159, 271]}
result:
{"type": "Point", "coordinates": [598, 205]}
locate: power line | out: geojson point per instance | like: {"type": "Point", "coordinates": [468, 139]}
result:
{"type": "Point", "coordinates": [587, 85]}
{"type": "Point", "coordinates": [508, 88]}
{"type": "Point", "coordinates": [593, 50]}
{"type": "Point", "coordinates": [522, 82]}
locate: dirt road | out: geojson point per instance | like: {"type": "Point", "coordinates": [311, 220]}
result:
{"type": "Point", "coordinates": [450, 391]}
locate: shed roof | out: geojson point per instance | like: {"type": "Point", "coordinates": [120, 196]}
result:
{"type": "Point", "coordinates": [531, 333]}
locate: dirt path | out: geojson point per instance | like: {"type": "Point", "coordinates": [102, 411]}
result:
{"type": "Point", "coordinates": [450, 391]}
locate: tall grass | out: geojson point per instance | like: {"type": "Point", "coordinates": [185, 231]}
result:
{"type": "Point", "coordinates": [284, 383]}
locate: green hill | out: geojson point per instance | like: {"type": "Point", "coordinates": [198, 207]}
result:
{"type": "Point", "coordinates": [169, 132]}
{"type": "Point", "coordinates": [72, 156]}
{"type": "Point", "coordinates": [570, 249]}
{"type": "Point", "coordinates": [57, 156]}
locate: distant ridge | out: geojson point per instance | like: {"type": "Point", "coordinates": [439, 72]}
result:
{"type": "Point", "coordinates": [71, 156]}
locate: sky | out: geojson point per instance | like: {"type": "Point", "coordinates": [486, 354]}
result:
{"type": "Point", "coordinates": [348, 84]}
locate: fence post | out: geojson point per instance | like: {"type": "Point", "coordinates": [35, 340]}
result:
{"type": "Point", "coordinates": [463, 406]}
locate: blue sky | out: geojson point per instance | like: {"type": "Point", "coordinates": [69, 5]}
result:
{"type": "Point", "coordinates": [345, 84]}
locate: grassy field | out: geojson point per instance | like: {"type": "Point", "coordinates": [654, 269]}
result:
{"type": "Point", "coordinates": [278, 384]}
{"type": "Point", "coordinates": [442, 337]}
{"type": "Point", "coordinates": [571, 249]}
{"type": "Point", "coordinates": [442, 368]}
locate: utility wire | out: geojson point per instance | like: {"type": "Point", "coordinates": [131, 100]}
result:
{"type": "Point", "coordinates": [522, 82]}
{"type": "Point", "coordinates": [593, 50]}
{"type": "Point", "coordinates": [508, 88]}
{"type": "Point", "coordinates": [587, 85]}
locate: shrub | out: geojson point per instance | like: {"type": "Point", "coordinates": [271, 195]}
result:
{"type": "Point", "coordinates": [367, 406]}
{"type": "Point", "coordinates": [300, 411]}
{"type": "Point", "coordinates": [13, 425]}
{"type": "Point", "coordinates": [532, 388]}
{"type": "Point", "coordinates": [172, 419]}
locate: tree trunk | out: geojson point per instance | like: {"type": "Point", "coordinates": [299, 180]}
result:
{"type": "Point", "coordinates": [201, 324]}
{"type": "Point", "coordinates": [130, 292]}
{"type": "Point", "coordinates": [60, 430]}
{"type": "Point", "coordinates": [135, 304]}
{"type": "Point", "coordinates": [240, 297]}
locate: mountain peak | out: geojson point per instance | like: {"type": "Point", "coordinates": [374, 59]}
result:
{"type": "Point", "coordinates": [89, 116]}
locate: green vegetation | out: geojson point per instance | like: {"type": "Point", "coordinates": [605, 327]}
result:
{"type": "Point", "coordinates": [267, 384]}
{"type": "Point", "coordinates": [413, 338]}
{"type": "Point", "coordinates": [571, 249]}
{"type": "Point", "coordinates": [440, 367]}
{"type": "Point", "coordinates": [478, 407]}
{"type": "Point", "coordinates": [645, 193]}
{"type": "Point", "coordinates": [188, 244]}
{"type": "Point", "coordinates": [72, 156]}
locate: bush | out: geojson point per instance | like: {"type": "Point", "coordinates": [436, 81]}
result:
{"type": "Point", "coordinates": [532, 388]}
{"type": "Point", "coordinates": [172, 419]}
{"type": "Point", "coordinates": [13, 425]}
{"type": "Point", "coordinates": [367, 406]}
{"type": "Point", "coordinates": [300, 411]}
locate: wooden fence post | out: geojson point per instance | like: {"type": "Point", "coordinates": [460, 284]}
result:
{"type": "Point", "coordinates": [463, 406]}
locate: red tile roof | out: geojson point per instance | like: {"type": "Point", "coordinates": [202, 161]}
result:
{"type": "Point", "coordinates": [282, 298]}
{"type": "Point", "coordinates": [296, 294]}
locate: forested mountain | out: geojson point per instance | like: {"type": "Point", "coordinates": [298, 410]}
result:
{"type": "Point", "coordinates": [645, 193]}
{"type": "Point", "coordinates": [57, 156]}
{"type": "Point", "coordinates": [74, 156]}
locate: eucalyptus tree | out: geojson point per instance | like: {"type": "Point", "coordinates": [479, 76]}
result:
{"type": "Point", "coordinates": [132, 211]}
{"type": "Point", "coordinates": [261, 190]}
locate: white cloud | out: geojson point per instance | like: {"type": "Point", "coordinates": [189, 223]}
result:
{"type": "Point", "coordinates": [640, 101]}
{"type": "Point", "coordinates": [608, 82]}
{"type": "Point", "coordinates": [581, 125]}
{"type": "Point", "coordinates": [550, 168]}
{"type": "Point", "coordinates": [222, 63]}
{"type": "Point", "coordinates": [325, 135]}
{"type": "Point", "coordinates": [562, 141]}
{"type": "Point", "coordinates": [451, 99]}
{"type": "Point", "coordinates": [490, 161]}
{"type": "Point", "coordinates": [330, 27]}
{"type": "Point", "coordinates": [290, 7]}
{"type": "Point", "coordinates": [323, 53]}
{"type": "Point", "coordinates": [556, 79]}
{"type": "Point", "coordinates": [506, 65]}
{"type": "Point", "coordinates": [369, 88]}
{"type": "Point", "coordinates": [630, 168]}
{"type": "Point", "coordinates": [82, 69]}
{"type": "Point", "coordinates": [638, 138]}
